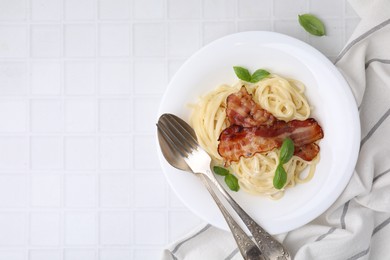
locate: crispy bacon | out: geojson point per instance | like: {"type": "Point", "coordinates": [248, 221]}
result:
{"type": "Point", "coordinates": [307, 152]}
{"type": "Point", "coordinates": [236, 141]}
{"type": "Point", "coordinates": [242, 110]}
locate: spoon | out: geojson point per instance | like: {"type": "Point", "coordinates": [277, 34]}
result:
{"type": "Point", "coordinates": [247, 247]}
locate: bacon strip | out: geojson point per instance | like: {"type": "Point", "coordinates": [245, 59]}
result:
{"type": "Point", "coordinates": [307, 152]}
{"type": "Point", "coordinates": [244, 111]}
{"type": "Point", "coordinates": [236, 141]}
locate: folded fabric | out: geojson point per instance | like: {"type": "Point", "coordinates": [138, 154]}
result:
{"type": "Point", "coordinates": [356, 226]}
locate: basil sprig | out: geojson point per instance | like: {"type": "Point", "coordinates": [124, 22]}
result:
{"type": "Point", "coordinates": [312, 24]}
{"type": "Point", "coordinates": [230, 180]}
{"type": "Point", "coordinates": [280, 177]}
{"type": "Point", "coordinates": [243, 74]}
{"type": "Point", "coordinates": [286, 152]}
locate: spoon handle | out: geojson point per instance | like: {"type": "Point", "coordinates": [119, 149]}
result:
{"type": "Point", "coordinates": [270, 247]}
{"type": "Point", "coordinates": [247, 247]}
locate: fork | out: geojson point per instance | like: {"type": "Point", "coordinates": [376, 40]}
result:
{"type": "Point", "coordinates": [176, 132]}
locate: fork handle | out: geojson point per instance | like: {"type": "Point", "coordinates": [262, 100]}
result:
{"type": "Point", "coordinates": [270, 247]}
{"type": "Point", "coordinates": [247, 247]}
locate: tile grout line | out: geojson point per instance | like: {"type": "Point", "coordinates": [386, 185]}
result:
{"type": "Point", "coordinates": [29, 128]}
{"type": "Point", "coordinates": [97, 130]}
{"type": "Point", "coordinates": [132, 127]}
{"type": "Point", "coordinates": [63, 187]}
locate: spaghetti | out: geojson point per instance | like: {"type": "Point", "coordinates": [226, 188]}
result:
{"type": "Point", "coordinates": [284, 99]}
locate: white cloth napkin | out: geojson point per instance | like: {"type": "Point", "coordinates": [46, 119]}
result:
{"type": "Point", "coordinates": [357, 225]}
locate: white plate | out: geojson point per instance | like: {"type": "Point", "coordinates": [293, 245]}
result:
{"type": "Point", "coordinates": [333, 106]}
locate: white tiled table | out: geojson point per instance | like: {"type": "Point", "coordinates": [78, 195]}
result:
{"type": "Point", "coordinates": [80, 83]}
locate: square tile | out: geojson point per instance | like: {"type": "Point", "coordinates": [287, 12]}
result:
{"type": "Point", "coordinates": [147, 254]}
{"type": "Point", "coordinates": [146, 155]}
{"type": "Point", "coordinates": [80, 190]}
{"type": "Point", "coordinates": [14, 153]}
{"type": "Point", "coordinates": [291, 28]}
{"type": "Point", "coordinates": [80, 228]}
{"type": "Point", "coordinates": [80, 9]}
{"type": "Point", "coordinates": [146, 223]}
{"type": "Point", "coordinates": [290, 9]}
{"type": "Point", "coordinates": [150, 190]}
{"type": "Point", "coordinates": [46, 41]}
{"type": "Point", "coordinates": [116, 254]}
{"type": "Point", "coordinates": [190, 9]}
{"type": "Point", "coordinates": [183, 38]}
{"type": "Point", "coordinates": [144, 83]}
{"type": "Point", "coordinates": [114, 9]}
{"type": "Point", "coordinates": [149, 9]}
{"type": "Point", "coordinates": [46, 78]}
{"type": "Point", "coordinates": [80, 254]}
{"type": "Point", "coordinates": [80, 77]}
{"type": "Point", "coordinates": [13, 9]}
{"type": "Point", "coordinates": [45, 229]}
{"type": "Point", "coordinates": [80, 153]}
{"type": "Point", "coordinates": [45, 254]}
{"type": "Point", "coordinates": [17, 185]}
{"type": "Point", "coordinates": [47, 152]}
{"type": "Point", "coordinates": [257, 25]}
{"type": "Point", "coordinates": [215, 30]}
{"type": "Point", "coordinates": [115, 115]}
{"type": "Point", "coordinates": [219, 9]}
{"type": "Point", "coordinates": [114, 77]}
{"type": "Point", "coordinates": [115, 228]}
{"type": "Point", "coordinates": [255, 9]}
{"type": "Point", "coordinates": [13, 41]}
{"type": "Point", "coordinates": [145, 111]}
{"type": "Point", "coordinates": [149, 39]}
{"type": "Point", "coordinates": [80, 115]}
{"type": "Point", "coordinates": [13, 254]}
{"type": "Point", "coordinates": [47, 115]}
{"type": "Point", "coordinates": [330, 9]}
{"type": "Point", "coordinates": [115, 190]}
{"type": "Point", "coordinates": [80, 40]}
{"type": "Point", "coordinates": [114, 40]}
{"type": "Point", "coordinates": [14, 78]}
{"type": "Point", "coordinates": [46, 190]}
{"type": "Point", "coordinates": [180, 223]}
{"type": "Point", "coordinates": [46, 9]}
{"type": "Point", "coordinates": [13, 116]}
{"type": "Point", "coordinates": [13, 226]}
{"type": "Point", "coordinates": [115, 153]}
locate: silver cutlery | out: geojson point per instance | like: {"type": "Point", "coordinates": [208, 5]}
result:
{"type": "Point", "coordinates": [181, 149]}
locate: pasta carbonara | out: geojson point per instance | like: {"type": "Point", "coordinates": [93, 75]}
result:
{"type": "Point", "coordinates": [284, 99]}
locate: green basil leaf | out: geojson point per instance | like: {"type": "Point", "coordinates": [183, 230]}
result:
{"type": "Point", "coordinates": [286, 151]}
{"type": "Point", "coordinates": [259, 75]}
{"type": "Point", "coordinates": [312, 24]}
{"type": "Point", "coordinates": [242, 73]}
{"type": "Point", "coordinates": [221, 171]}
{"type": "Point", "coordinates": [280, 177]}
{"type": "Point", "coordinates": [232, 182]}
